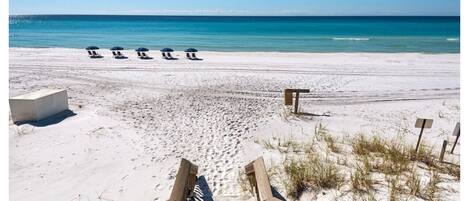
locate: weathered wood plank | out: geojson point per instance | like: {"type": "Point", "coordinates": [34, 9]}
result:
{"type": "Point", "coordinates": [185, 181]}
{"type": "Point", "coordinates": [297, 102]}
{"type": "Point", "coordinates": [288, 96]}
{"type": "Point", "coordinates": [297, 90]}
{"type": "Point", "coordinates": [443, 150]}
{"type": "Point", "coordinates": [259, 179]}
{"type": "Point", "coordinates": [425, 123]}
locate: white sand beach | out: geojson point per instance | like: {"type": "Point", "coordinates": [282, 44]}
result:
{"type": "Point", "coordinates": [135, 119]}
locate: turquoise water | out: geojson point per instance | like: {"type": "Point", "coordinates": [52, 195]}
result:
{"type": "Point", "coordinates": [283, 34]}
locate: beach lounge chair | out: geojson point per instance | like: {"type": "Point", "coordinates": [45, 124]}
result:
{"type": "Point", "coordinates": [97, 55]}
{"type": "Point", "coordinates": [169, 56]}
{"type": "Point", "coordinates": [166, 53]}
{"type": "Point", "coordinates": [144, 56]}
{"type": "Point", "coordinates": [118, 55]}
{"type": "Point", "coordinates": [93, 54]}
{"type": "Point", "coordinates": [116, 52]}
{"type": "Point", "coordinates": [190, 53]}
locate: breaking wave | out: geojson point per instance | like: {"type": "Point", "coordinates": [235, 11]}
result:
{"type": "Point", "coordinates": [353, 39]}
{"type": "Point", "coordinates": [452, 39]}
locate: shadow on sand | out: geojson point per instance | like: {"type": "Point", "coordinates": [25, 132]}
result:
{"type": "Point", "coordinates": [276, 194]}
{"type": "Point", "coordinates": [202, 191]}
{"type": "Point", "coordinates": [313, 114]}
{"type": "Point", "coordinates": [146, 58]}
{"type": "Point", "coordinates": [449, 163]}
{"type": "Point", "coordinates": [54, 119]}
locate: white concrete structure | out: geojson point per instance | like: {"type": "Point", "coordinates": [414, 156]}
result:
{"type": "Point", "coordinates": [38, 105]}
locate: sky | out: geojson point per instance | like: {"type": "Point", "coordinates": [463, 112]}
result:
{"type": "Point", "coordinates": [238, 7]}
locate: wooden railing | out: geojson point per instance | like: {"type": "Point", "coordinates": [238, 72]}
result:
{"type": "Point", "coordinates": [259, 180]}
{"type": "Point", "coordinates": [185, 181]}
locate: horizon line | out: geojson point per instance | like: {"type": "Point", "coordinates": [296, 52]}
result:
{"type": "Point", "coordinates": [182, 15]}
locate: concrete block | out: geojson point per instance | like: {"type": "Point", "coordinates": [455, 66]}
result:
{"type": "Point", "coordinates": [38, 105]}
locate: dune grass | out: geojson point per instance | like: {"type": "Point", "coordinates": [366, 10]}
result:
{"type": "Point", "coordinates": [399, 162]}
{"type": "Point", "coordinates": [284, 146]}
{"type": "Point", "coordinates": [331, 143]}
{"type": "Point", "coordinates": [395, 187]}
{"type": "Point", "coordinates": [361, 180]}
{"type": "Point", "coordinates": [451, 169]}
{"type": "Point", "coordinates": [414, 183]}
{"type": "Point", "coordinates": [363, 146]}
{"type": "Point", "coordinates": [388, 157]}
{"type": "Point", "coordinates": [426, 156]}
{"type": "Point", "coordinates": [363, 162]}
{"type": "Point", "coordinates": [432, 190]}
{"type": "Point", "coordinates": [243, 183]}
{"type": "Point", "coordinates": [268, 145]}
{"type": "Point", "coordinates": [311, 172]}
{"type": "Point", "coordinates": [322, 134]}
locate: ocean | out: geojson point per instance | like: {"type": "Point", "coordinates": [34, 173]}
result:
{"type": "Point", "coordinates": [247, 34]}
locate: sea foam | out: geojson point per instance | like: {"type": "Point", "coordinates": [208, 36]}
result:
{"type": "Point", "coordinates": [452, 39]}
{"type": "Point", "coordinates": [354, 39]}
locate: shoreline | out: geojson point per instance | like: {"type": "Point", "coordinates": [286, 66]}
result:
{"type": "Point", "coordinates": [267, 52]}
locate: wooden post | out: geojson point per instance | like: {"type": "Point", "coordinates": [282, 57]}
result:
{"type": "Point", "coordinates": [420, 137]}
{"type": "Point", "coordinates": [297, 97]}
{"type": "Point", "coordinates": [422, 123]}
{"type": "Point", "coordinates": [260, 180]}
{"type": "Point", "coordinates": [288, 96]}
{"type": "Point", "coordinates": [185, 181]}
{"type": "Point", "coordinates": [456, 132]}
{"type": "Point", "coordinates": [443, 149]}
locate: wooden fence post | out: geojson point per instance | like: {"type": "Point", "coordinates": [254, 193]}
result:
{"type": "Point", "coordinates": [297, 100]}
{"type": "Point", "coordinates": [443, 150]}
{"type": "Point", "coordinates": [422, 123]}
{"type": "Point", "coordinates": [456, 132]}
